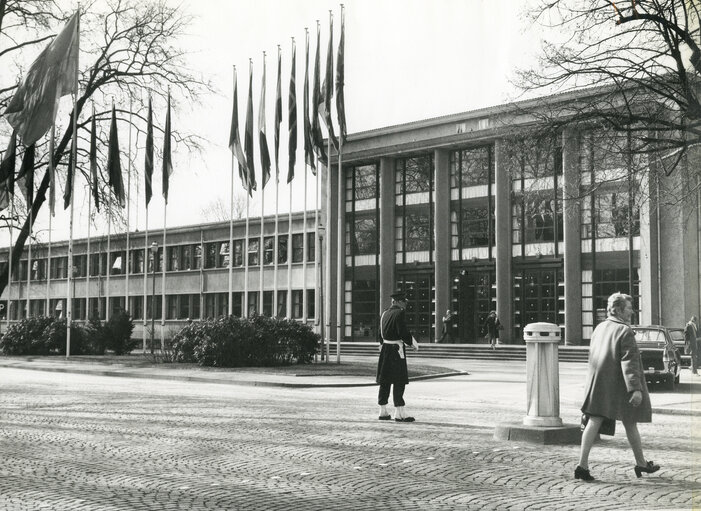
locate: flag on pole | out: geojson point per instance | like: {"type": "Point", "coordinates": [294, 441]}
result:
{"type": "Point", "coordinates": [148, 157]}
{"type": "Point", "coordinates": [248, 137]}
{"type": "Point", "coordinates": [69, 178]}
{"type": "Point", "coordinates": [327, 89]}
{"type": "Point", "coordinates": [262, 137]}
{"type": "Point", "coordinates": [25, 176]}
{"type": "Point", "coordinates": [340, 72]}
{"type": "Point", "coordinates": [114, 167]}
{"type": "Point", "coordinates": [278, 115]}
{"type": "Point", "coordinates": [167, 162]}
{"type": "Point", "coordinates": [317, 137]}
{"type": "Point", "coordinates": [93, 161]}
{"type": "Point", "coordinates": [7, 172]}
{"type": "Point", "coordinates": [308, 145]}
{"type": "Point", "coordinates": [235, 139]}
{"type": "Point", "coordinates": [292, 117]}
{"type": "Point", "coordinates": [52, 75]}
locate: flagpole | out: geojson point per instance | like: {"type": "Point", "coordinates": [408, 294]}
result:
{"type": "Point", "coordinates": [9, 259]}
{"type": "Point", "coordinates": [146, 271]}
{"type": "Point", "coordinates": [109, 264]}
{"type": "Point", "coordinates": [126, 253]}
{"type": "Point", "coordinates": [341, 266]}
{"type": "Point", "coordinates": [245, 255]}
{"type": "Point", "coordinates": [87, 258]}
{"type": "Point", "coordinates": [163, 281]}
{"type": "Point", "coordinates": [289, 257]}
{"type": "Point", "coordinates": [48, 256]}
{"type": "Point", "coordinates": [29, 257]}
{"type": "Point", "coordinates": [316, 252]}
{"type": "Point", "coordinates": [231, 230]}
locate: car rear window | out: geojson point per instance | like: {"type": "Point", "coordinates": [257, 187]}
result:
{"type": "Point", "coordinates": [649, 335]}
{"type": "Point", "coordinates": [676, 335]}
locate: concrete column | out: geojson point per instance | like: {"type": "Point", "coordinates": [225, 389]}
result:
{"type": "Point", "coordinates": [503, 245]}
{"type": "Point", "coordinates": [649, 249]}
{"type": "Point", "coordinates": [571, 208]}
{"type": "Point", "coordinates": [543, 377]}
{"type": "Point", "coordinates": [387, 255]}
{"type": "Point", "coordinates": [330, 266]}
{"type": "Point", "coordinates": [442, 230]}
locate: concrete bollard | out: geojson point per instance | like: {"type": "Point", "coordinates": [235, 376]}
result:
{"type": "Point", "coordinates": [542, 375]}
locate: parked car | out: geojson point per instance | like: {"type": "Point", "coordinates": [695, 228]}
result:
{"type": "Point", "coordinates": [662, 360]}
{"type": "Point", "coordinates": [677, 335]}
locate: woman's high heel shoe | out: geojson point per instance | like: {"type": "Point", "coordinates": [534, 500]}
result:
{"type": "Point", "coordinates": [648, 469]}
{"type": "Point", "coordinates": [583, 474]}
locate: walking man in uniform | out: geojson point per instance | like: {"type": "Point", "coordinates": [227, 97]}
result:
{"type": "Point", "coordinates": [391, 368]}
{"type": "Point", "coordinates": [691, 344]}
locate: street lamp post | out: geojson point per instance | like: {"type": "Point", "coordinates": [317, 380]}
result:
{"type": "Point", "coordinates": [154, 253]}
{"type": "Point", "coordinates": [320, 312]}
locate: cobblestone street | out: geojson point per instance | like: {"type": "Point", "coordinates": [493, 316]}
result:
{"type": "Point", "coordinates": [75, 441]}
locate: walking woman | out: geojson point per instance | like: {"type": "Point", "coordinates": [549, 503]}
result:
{"type": "Point", "coordinates": [616, 388]}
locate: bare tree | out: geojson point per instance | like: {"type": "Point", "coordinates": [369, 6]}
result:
{"type": "Point", "coordinates": [641, 63]}
{"type": "Point", "coordinates": [129, 52]}
{"type": "Point", "coordinates": [218, 211]}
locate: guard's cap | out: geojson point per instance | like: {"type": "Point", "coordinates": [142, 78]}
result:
{"type": "Point", "coordinates": [399, 295]}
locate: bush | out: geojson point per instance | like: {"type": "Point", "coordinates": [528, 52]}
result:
{"type": "Point", "coordinates": [26, 337]}
{"type": "Point", "coordinates": [236, 342]}
{"type": "Point", "coordinates": [118, 332]}
{"type": "Point", "coordinates": [97, 336]}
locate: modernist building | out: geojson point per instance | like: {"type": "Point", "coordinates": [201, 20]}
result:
{"type": "Point", "coordinates": [471, 212]}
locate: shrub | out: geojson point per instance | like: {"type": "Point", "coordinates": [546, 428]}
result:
{"type": "Point", "coordinates": [235, 342]}
{"type": "Point", "coordinates": [26, 337]}
{"type": "Point", "coordinates": [54, 338]}
{"type": "Point", "coordinates": [118, 333]}
{"type": "Point", "coordinates": [96, 335]}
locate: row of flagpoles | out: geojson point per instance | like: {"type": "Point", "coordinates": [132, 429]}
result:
{"type": "Point", "coordinates": [31, 124]}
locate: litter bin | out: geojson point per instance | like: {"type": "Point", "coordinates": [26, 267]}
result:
{"type": "Point", "coordinates": [543, 378]}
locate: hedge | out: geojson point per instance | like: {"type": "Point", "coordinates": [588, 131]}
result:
{"type": "Point", "coordinates": [237, 342]}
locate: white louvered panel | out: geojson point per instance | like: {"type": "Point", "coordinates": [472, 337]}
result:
{"type": "Point", "coordinates": [398, 258]}
{"type": "Point", "coordinates": [586, 246]}
{"type": "Point", "coordinates": [454, 194]}
{"type": "Point", "coordinates": [476, 252]}
{"type": "Point", "coordinates": [455, 254]}
{"type": "Point", "coordinates": [586, 275]}
{"type": "Point", "coordinates": [561, 247]}
{"type": "Point", "coordinates": [421, 257]}
{"type": "Point", "coordinates": [587, 304]}
{"type": "Point", "coordinates": [365, 260]}
{"type": "Point", "coordinates": [533, 249]}
{"type": "Point", "coordinates": [516, 250]}
{"type": "Point", "coordinates": [541, 183]}
{"type": "Point", "coordinates": [417, 198]}
{"type": "Point", "coordinates": [601, 175]}
{"type": "Point", "coordinates": [470, 192]}
{"type": "Point", "coordinates": [349, 206]}
{"type": "Point", "coordinates": [587, 331]}
{"type": "Point", "coordinates": [612, 245]}
{"type": "Point", "coordinates": [365, 205]}
{"type": "Point", "coordinates": [587, 318]}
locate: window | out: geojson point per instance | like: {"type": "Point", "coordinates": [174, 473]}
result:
{"type": "Point", "coordinates": [414, 175]}
{"type": "Point", "coordinates": [80, 263]}
{"type": "Point", "coordinates": [282, 303]}
{"type": "Point", "coordinates": [297, 248]}
{"type": "Point", "coordinates": [154, 304]}
{"type": "Point", "coordinates": [311, 246]}
{"type": "Point", "coordinates": [173, 258]}
{"type": "Point", "coordinates": [78, 308]}
{"type": "Point", "coordinates": [282, 249]}
{"type": "Point", "coordinates": [238, 252]}
{"type": "Point", "coordinates": [237, 304]}
{"type": "Point", "coordinates": [197, 263]}
{"type": "Point", "coordinates": [297, 304]}
{"type": "Point", "coordinates": [611, 215]}
{"type": "Point", "coordinates": [252, 303]}
{"type": "Point", "coordinates": [172, 307]}
{"type": "Point", "coordinates": [222, 304]}
{"type": "Point", "coordinates": [136, 307]}
{"type": "Point", "coordinates": [223, 260]}
{"type": "Point", "coordinates": [210, 305]}
{"type": "Point", "coordinates": [116, 305]}
{"type": "Point", "coordinates": [186, 257]}
{"type": "Point", "coordinates": [475, 227]}
{"type": "Point", "coordinates": [184, 306]}
{"type": "Point", "coordinates": [365, 185]}
{"type": "Point", "coordinates": [418, 232]}
{"type": "Point", "coordinates": [470, 167]}
{"type": "Point", "coordinates": [38, 269]}
{"type": "Point", "coordinates": [267, 303]}
{"type": "Point", "coordinates": [311, 304]}
{"type": "Point", "coordinates": [96, 308]}
{"type": "Point", "coordinates": [94, 265]}
{"type": "Point", "coordinates": [268, 248]}
{"type": "Point", "coordinates": [117, 263]}
{"type": "Point", "coordinates": [138, 258]}
{"type": "Point", "coordinates": [59, 267]}
{"type": "Point", "coordinates": [253, 251]}
{"type": "Point", "coordinates": [364, 236]}
{"type": "Point", "coordinates": [194, 307]}
{"type": "Point", "coordinates": [210, 258]}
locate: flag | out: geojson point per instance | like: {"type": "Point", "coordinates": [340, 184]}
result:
{"type": "Point", "coordinates": [52, 75]}
{"type": "Point", "coordinates": [114, 167]}
{"type": "Point", "coordinates": [262, 138]}
{"type": "Point", "coordinates": [278, 116]}
{"type": "Point", "coordinates": [235, 139]}
{"type": "Point", "coordinates": [340, 71]}
{"type": "Point", "coordinates": [248, 138]}
{"type": "Point", "coordinates": [148, 157]}
{"type": "Point", "coordinates": [93, 160]}
{"type": "Point", "coordinates": [7, 172]}
{"type": "Point", "coordinates": [68, 191]}
{"type": "Point", "coordinates": [327, 89]}
{"type": "Point", "coordinates": [308, 145]}
{"type": "Point", "coordinates": [292, 117]}
{"type": "Point", "coordinates": [167, 162]}
{"type": "Point", "coordinates": [25, 176]}
{"type": "Point", "coordinates": [317, 137]}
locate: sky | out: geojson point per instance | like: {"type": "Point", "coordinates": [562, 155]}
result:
{"type": "Point", "coordinates": [404, 61]}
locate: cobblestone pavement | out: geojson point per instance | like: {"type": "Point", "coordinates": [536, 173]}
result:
{"type": "Point", "coordinates": [83, 442]}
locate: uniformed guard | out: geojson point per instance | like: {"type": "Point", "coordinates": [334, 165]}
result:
{"type": "Point", "coordinates": [391, 368]}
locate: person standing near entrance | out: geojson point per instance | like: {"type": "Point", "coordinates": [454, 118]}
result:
{"type": "Point", "coordinates": [448, 320]}
{"type": "Point", "coordinates": [492, 327]}
{"type": "Point", "coordinates": [391, 367]}
{"type": "Point", "coordinates": [691, 344]}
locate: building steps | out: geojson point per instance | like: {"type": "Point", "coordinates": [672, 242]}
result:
{"type": "Point", "coordinates": [466, 351]}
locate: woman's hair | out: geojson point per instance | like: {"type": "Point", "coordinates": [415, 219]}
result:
{"type": "Point", "coordinates": [617, 302]}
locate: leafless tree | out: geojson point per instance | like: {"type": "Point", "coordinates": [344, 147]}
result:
{"type": "Point", "coordinates": [218, 211]}
{"type": "Point", "coordinates": [639, 63]}
{"type": "Point", "coordinates": [129, 51]}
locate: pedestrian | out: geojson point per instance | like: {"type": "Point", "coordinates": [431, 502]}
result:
{"type": "Point", "coordinates": [491, 327]}
{"type": "Point", "coordinates": [616, 388]}
{"type": "Point", "coordinates": [448, 320]}
{"type": "Point", "coordinates": [391, 367]}
{"type": "Point", "coordinates": [691, 344]}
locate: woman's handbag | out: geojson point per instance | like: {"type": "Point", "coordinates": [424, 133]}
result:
{"type": "Point", "coordinates": [608, 427]}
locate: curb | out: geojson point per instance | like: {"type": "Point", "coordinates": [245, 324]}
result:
{"type": "Point", "coordinates": [200, 379]}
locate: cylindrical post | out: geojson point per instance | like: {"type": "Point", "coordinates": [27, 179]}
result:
{"type": "Point", "coordinates": [543, 385]}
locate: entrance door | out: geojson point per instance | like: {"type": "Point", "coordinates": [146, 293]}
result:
{"type": "Point", "coordinates": [419, 311]}
{"type": "Point", "coordinates": [539, 297]}
{"type": "Point", "coordinates": [473, 298]}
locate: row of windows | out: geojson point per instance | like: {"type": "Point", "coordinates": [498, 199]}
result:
{"type": "Point", "coordinates": [180, 257]}
{"type": "Point", "coordinates": [181, 306]}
